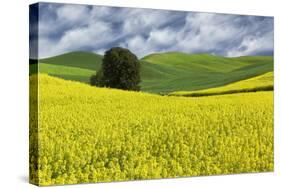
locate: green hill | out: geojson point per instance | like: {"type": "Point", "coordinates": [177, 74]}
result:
{"type": "Point", "coordinates": [164, 72]}
{"type": "Point", "coordinates": [178, 71]}
{"type": "Point", "coordinates": [66, 72]}
{"type": "Point", "coordinates": [77, 66]}
{"type": "Point", "coordinates": [85, 60]}
{"type": "Point", "coordinates": [259, 83]}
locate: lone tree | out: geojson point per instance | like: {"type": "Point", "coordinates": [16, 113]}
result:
{"type": "Point", "coordinates": [120, 69]}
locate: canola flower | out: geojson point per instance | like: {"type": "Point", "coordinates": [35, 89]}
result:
{"type": "Point", "coordinates": [89, 134]}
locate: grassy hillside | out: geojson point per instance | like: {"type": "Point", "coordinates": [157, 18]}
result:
{"type": "Point", "coordinates": [165, 72]}
{"type": "Point", "coordinates": [199, 71]}
{"type": "Point", "coordinates": [254, 59]}
{"type": "Point", "coordinates": [66, 72]}
{"type": "Point", "coordinates": [195, 62]}
{"type": "Point", "coordinates": [90, 134]}
{"type": "Point", "coordinates": [259, 83]}
{"type": "Point", "coordinates": [77, 66]}
{"type": "Point", "coordinates": [84, 60]}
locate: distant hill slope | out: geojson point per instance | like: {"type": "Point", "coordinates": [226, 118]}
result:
{"type": "Point", "coordinates": [65, 72]}
{"type": "Point", "coordinates": [259, 83]}
{"type": "Point", "coordinates": [77, 66]}
{"type": "Point", "coordinates": [164, 72]}
{"type": "Point", "coordinates": [179, 71]}
{"type": "Point", "coordinates": [85, 60]}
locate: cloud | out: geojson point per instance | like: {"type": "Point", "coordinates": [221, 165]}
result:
{"type": "Point", "coordinates": [140, 20]}
{"type": "Point", "coordinates": [254, 45]}
{"type": "Point", "coordinates": [96, 34]}
{"type": "Point", "coordinates": [206, 32]}
{"type": "Point", "coordinates": [164, 37]}
{"type": "Point", "coordinates": [64, 28]}
{"type": "Point", "coordinates": [138, 45]}
{"type": "Point", "coordinates": [72, 14]}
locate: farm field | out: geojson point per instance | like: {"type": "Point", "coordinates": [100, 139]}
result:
{"type": "Point", "coordinates": [263, 82]}
{"type": "Point", "coordinates": [78, 66]}
{"type": "Point", "coordinates": [189, 72]}
{"type": "Point", "coordinates": [90, 134]}
{"type": "Point", "coordinates": [164, 72]}
{"type": "Point", "coordinates": [65, 72]}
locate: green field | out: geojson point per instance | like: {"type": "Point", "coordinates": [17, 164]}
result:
{"type": "Point", "coordinates": [79, 66]}
{"type": "Point", "coordinates": [87, 134]}
{"type": "Point", "coordinates": [165, 72]}
{"type": "Point", "coordinates": [65, 72]}
{"type": "Point", "coordinates": [263, 82]}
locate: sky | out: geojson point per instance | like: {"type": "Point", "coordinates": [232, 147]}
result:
{"type": "Point", "coordinates": [65, 28]}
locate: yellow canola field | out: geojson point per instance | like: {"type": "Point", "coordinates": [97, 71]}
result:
{"type": "Point", "coordinates": [89, 134]}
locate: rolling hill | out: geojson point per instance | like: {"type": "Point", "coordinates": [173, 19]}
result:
{"type": "Point", "coordinates": [84, 60]}
{"type": "Point", "coordinates": [77, 66]}
{"type": "Point", "coordinates": [259, 83]}
{"type": "Point", "coordinates": [199, 71]}
{"type": "Point", "coordinates": [164, 72]}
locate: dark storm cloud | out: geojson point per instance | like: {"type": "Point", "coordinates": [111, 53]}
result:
{"type": "Point", "coordinates": [65, 28]}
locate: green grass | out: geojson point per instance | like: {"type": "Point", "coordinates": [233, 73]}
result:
{"type": "Point", "coordinates": [197, 62]}
{"type": "Point", "coordinates": [254, 59]}
{"type": "Point", "coordinates": [85, 60]}
{"type": "Point", "coordinates": [188, 72]}
{"type": "Point", "coordinates": [165, 72]}
{"type": "Point", "coordinates": [77, 66]}
{"type": "Point", "coordinates": [259, 83]}
{"type": "Point", "coordinates": [67, 72]}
